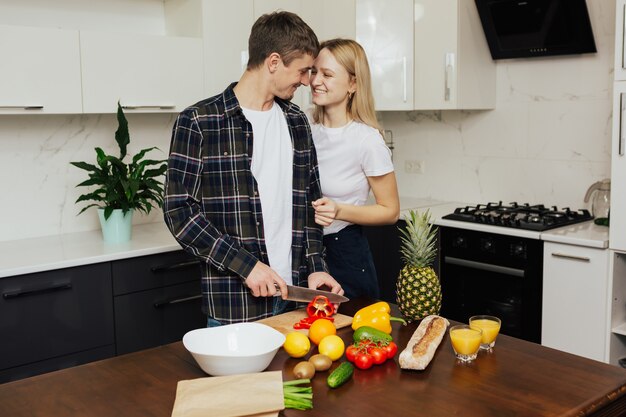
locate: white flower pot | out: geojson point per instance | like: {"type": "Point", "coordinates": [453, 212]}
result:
{"type": "Point", "coordinates": [118, 227]}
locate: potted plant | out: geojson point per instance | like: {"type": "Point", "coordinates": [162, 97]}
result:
{"type": "Point", "coordinates": [122, 188]}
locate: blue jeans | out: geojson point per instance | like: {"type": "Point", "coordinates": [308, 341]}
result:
{"type": "Point", "coordinates": [350, 262]}
{"type": "Point", "coordinates": [280, 306]}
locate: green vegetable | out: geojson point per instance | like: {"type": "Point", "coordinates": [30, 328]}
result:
{"type": "Point", "coordinates": [370, 333]}
{"type": "Point", "coordinates": [297, 397]}
{"type": "Point", "coordinates": [340, 375]}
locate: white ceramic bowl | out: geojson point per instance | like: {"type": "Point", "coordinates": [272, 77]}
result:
{"type": "Point", "coordinates": [234, 348]}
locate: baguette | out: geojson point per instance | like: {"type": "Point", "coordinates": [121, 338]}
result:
{"type": "Point", "coordinates": [424, 342]}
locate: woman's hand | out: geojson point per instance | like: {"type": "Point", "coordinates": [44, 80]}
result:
{"type": "Point", "coordinates": [326, 211]}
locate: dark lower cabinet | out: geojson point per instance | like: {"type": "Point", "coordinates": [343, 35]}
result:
{"type": "Point", "coordinates": [384, 243]}
{"type": "Point", "coordinates": [157, 299]}
{"type": "Point", "coordinates": [62, 318]}
{"type": "Point", "coordinates": [51, 319]}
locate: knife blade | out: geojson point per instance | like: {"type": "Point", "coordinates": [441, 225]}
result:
{"type": "Point", "coordinates": [308, 294]}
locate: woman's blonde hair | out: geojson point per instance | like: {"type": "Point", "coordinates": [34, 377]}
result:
{"type": "Point", "coordinates": [350, 55]}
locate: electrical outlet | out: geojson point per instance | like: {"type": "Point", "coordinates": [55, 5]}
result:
{"type": "Point", "coordinates": [412, 166]}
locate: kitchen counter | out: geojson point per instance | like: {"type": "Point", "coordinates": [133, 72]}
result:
{"type": "Point", "coordinates": [581, 234]}
{"type": "Point", "coordinates": [27, 256]}
{"type": "Point", "coordinates": [517, 378]}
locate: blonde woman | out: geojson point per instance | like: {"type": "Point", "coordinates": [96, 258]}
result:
{"type": "Point", "coordinates": [353, 159]}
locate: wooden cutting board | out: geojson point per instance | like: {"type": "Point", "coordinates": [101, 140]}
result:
{"type": "Point", "coordinates": [284, 322]}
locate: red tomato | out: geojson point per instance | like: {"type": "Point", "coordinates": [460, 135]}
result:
{"type": "Point", "coordinates": [379, 355]}
{"type": "Point", "coordinates": [391, 349]}
{"type": "Point", "coordinates": [363, 361]}
{"type": "Point", "coordinates": [351, 352]}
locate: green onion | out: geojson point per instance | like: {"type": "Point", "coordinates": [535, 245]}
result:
{"type": "Point", "coordinates": [296, 396]}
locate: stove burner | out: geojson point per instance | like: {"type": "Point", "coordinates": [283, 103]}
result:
{"type": "Point", "coordinates": [521, 216]}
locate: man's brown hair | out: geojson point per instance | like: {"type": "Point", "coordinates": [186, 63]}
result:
{"type": "Point", "coordinates": [284, 33]}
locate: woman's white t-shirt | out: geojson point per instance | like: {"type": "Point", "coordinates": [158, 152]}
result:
{"type": "Point", "coordinates": [346, 157]}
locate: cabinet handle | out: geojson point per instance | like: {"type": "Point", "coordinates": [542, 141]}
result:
{"type": "Point", "coordinates": [623, 36]}
{"type": "Point", "coordinates": [35, 291]}
{"type": "Point", "coordinates": [148, 106]}
{"type": "Point", "coordinates": [171, 267]}
{"type": "Point", "coordinates": [33, 107]}
{"type": "Point", "coordinates": [485, 267]}
{"type": "Point", "coordinates": [620, 141]}
{"type": "Point", "coordinates": [572, 257]}
{"type": "Point", "coordinates": [164, 303]}
{"type": "Point", "coordinates": [404, 79]}
{"type": "Point", "coordinates": [448, 73]}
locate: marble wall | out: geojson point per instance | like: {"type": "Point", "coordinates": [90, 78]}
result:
{"type": "Point", "coordinates": [38, 182]}
{"type": "Point", "coordinates": [547, 140]}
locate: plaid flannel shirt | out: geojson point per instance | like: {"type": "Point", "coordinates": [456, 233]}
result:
{"type": "Point", "coordinates": [213, 209]}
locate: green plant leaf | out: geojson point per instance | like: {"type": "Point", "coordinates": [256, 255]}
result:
{"type": "Point", "coordinates": [85, 166]}
{"type": "Point", "coordinates": [122, 135]}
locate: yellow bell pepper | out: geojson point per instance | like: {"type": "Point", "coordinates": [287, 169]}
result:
{"type": "Point", "coordinates": [377, 315]}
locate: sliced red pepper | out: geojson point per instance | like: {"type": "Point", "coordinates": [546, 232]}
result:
{"type": "Point", "coordinates": [320, 307]}
{"type": "Point", "coordinates": [306, 322]}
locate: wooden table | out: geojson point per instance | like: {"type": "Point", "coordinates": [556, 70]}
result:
{"type": "Point", "coordinates": [518, 378]}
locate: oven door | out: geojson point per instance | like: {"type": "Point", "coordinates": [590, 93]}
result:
{"type": "Point", "coordinates": [485, 273]}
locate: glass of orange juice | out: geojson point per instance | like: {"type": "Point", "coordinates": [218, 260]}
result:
{"type": "Point", "coordinates": [490, 326]}
{"type": "Point", "coordinates": [465, 342]}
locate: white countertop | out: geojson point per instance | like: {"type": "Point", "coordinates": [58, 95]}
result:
{"type": "Point", "coordinates": [581, 234]}
{"type": "Point", "coordinates": [27, 256]}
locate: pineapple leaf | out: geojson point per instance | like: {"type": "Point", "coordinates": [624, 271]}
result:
{"type": "Point", "coordinates": [418, 240]}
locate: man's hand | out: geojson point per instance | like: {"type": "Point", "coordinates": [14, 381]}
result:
{"type": "Point", "coordinates": [263, 280]}
{"type": "Point", "coordinates": [320, 279]}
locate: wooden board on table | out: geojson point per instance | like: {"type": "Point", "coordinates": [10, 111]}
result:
{"type": "Point", "coordinates": [284, 322]}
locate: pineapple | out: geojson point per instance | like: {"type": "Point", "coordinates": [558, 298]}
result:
{"type": "Point", "coordinates": [418, 287]}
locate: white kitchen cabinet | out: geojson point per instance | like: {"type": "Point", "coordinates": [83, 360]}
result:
{"type": "Point", "coordinates": [453, 65]}
{"type": "Point", "coordinates": [385, 30]}
{"type": "Point", "coordinates": [427, 54]}
{"type": "Point", "coordinates": [146, 73]}
{"type": "Point", "coordinates": [575, 294]}
{"type": "Point", "coordinates": [620, 31]}
{"type": "Point", "coordinates": [39, 71]}
{"type": "Point", "coordinates": [225, 57]}
{"type": "Point", "coordinates": [617, 231]}
{"type": "Point", "coordinates": [617, 339]}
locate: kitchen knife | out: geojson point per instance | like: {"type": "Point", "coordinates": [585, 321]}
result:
{"type": "Point", "coordinates": [308, 294]}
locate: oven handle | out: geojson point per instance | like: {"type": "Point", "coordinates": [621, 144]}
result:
{"type": "Point", "coordinates": [485, 267]}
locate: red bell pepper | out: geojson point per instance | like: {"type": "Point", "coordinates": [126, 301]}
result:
{"type": "Point", "coordinates": [320, 307]}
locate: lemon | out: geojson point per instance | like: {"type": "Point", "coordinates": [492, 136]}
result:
{"type": "Point", "coordinates": [332, 346]}
{"type": "Point", "coordinates": [297, 344]}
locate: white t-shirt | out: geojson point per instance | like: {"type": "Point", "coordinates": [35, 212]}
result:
{"type": "Point", "coordinates": [347, 156]}
{"type": "Point", "coordinates": [272, 167]}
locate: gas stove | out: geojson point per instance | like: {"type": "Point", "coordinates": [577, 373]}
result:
{"type": "Point", "coordinates": [521, 216]}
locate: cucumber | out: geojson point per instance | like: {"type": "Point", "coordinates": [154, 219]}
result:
{"type": "Point", "coordinates": [340, 375]}
{"type": "Point", "coordinates": [370, 333]}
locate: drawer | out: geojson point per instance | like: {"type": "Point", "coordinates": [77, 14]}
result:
{"type": "Point", "coordinates": [154, 271]}
{"type": "Point", "coordinates": [155, 317]}
{"type": "Point", "coordinates": [55, 313]}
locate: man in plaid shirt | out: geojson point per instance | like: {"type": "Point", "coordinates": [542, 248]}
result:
{"type": "Point", "coordinates": [241, 177]}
